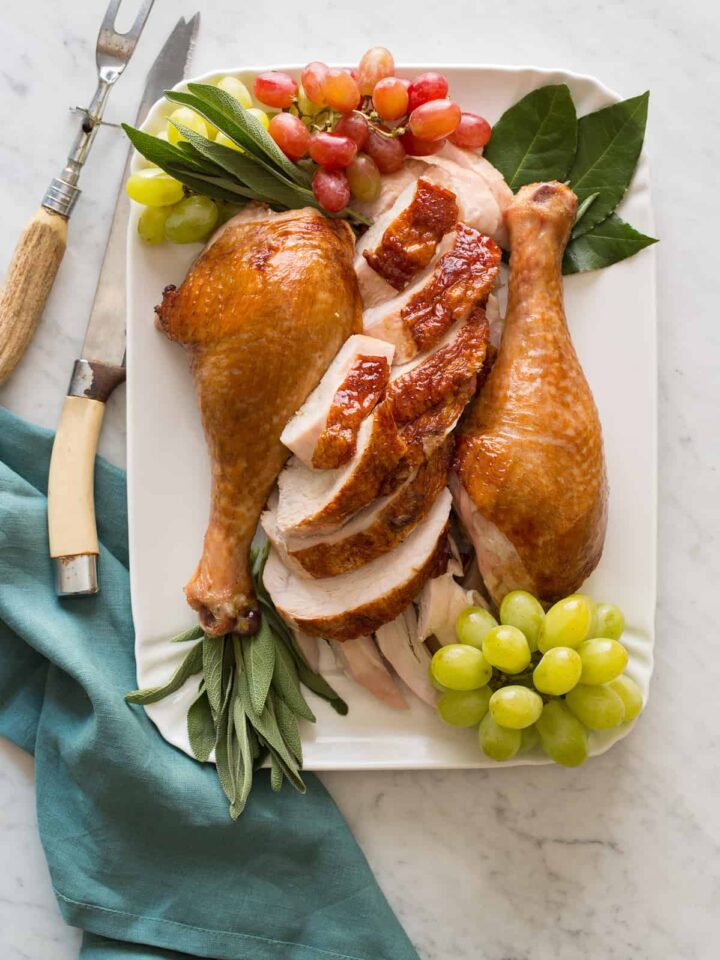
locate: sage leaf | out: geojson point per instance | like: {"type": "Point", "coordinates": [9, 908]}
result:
{"type": "Point", "coordinates": [287, 684]}
{"type": "Point", "coordinates": [268, 732]}
{"type": "Point", "coordinates": [224, 743]}
{"type": "Point", "coordinates": [158, 151]}
{"type": "Point", "coordinates": [213, 652]}
{"type": "Point", "coordinates": [201, 727]}
{"type": "Point", "coordinates": [276, 774]}
{"type": "Point", "coordinates": [194, 633]}
{"type": "Point", "coordinates": [289, 729]}
{"type": "Point", "coordinates": [536, 138]}
{"type": "Point", "coordinates": [607, 243]}
{"type": "Point", "coordinates": [259, 658]}
{"type": "Point", "coordinates": [319, 685]}
{"type": "Point", "coordinates": [245, 756]}
{"type": "Point", "coordinates": [608, 147]}
{"type": "Point", "coordinates": [193, 663]}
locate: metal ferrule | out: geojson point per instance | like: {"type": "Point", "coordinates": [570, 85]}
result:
{"type": "Point", "coordinates": [94, 380]}
{"type": "Point", "coordinates": [76, 576]}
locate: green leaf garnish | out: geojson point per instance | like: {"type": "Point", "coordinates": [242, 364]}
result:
{"type": "Point", "coordinates": [201, 726]}
{"type": "Point", "coordinates": [193, 663]}
{"type": "Point", "coordinates": [608, 147]}
{"type": "Point", "coordinates": [536, 138]}
{"type": "Point", "coordinates": [259, 657]}
{"type": "Point", "coordinates": [607, 243]}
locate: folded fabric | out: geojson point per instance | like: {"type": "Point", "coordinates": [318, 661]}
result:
{"type": "Point", "coordinates": [142, 854]}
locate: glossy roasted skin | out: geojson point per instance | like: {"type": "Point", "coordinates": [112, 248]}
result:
{"type": "Point", "coordinates": [354, 399]}
{"type": "Point", "coordinates": [262, 312]}
{"type": "Point", "coordinates": [408, 245]}
{"type": "Point", "coordinates": [530, 455]}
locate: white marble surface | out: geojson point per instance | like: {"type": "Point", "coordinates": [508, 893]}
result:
{"type": "Point", "coordinates": [619, 860]}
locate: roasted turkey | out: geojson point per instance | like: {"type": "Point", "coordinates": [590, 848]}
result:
{"type": "Point", "coordinates": [532, 487]}
{"type": "Point", "coordinates": [262, 313]}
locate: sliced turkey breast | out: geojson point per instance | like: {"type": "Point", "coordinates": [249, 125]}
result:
{"type": "Point", "coordinates": [424, 435]}
{"type": "Point", "coordinates": [472, 160]}
{"type": "Point", "coordinates": [409, 658]}
{"type": "Point", "coordinates": [319, 501]}
{"type": "Point", "coordinates": [357, 603]}
{"type": "Point", "coordinates": [372, 532]}
{"type": "Point", "coordinates": [305, 429]}
{"type": "Point", "coordinates": [361, 661]}
{"type": "Point", "coordinates": [403, 240]}
{"type": "Point", "coordinates": [464, 273]}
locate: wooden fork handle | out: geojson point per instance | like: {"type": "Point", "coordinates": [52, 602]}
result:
{"type": "Point", "coordinates": [28, 282]}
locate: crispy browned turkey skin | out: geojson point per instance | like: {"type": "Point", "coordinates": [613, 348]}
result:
{"type": "Point", "coordinates": [262, 312]}
{"type": "Point", "coordinates": [530, 461]}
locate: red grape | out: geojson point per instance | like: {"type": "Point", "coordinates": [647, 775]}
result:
{"type": "Point", "coordinates": [472, 131]}
{"type": "Point", "coordinates": [420, 148]}
{"type": "Point", "coordinates": [341, 91]}
{"type": "Point", "coordinates": [376, 64]}
{"type": "Point", "coordinates": [427, 86]}
{"type": "Point", "coordinates": [332, 150]}
{"type": "Point", "coordinates": [274, 89]}
{"type": "Point", "coordinates": [435, 119]}
{"type": "Point", "coordinates": [331, 189]}
{"type": "Point", "coordinates": [313, 78]}
{"type": "Point", "coordinates": [387, 152]}
{"type": "Point", "coordinates": [364, 178]}
{"type": "Point", "coordinates": [355, 126]}
{"type": "Point", "coordinates": [290, 134]}
{"type": "Point", "coordinates": [390, 98]}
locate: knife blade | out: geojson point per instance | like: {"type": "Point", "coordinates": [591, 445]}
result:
{"type": "Point", "coordinates": [105, 335]}
{"type": "Point", "coordinates": [71, 506]}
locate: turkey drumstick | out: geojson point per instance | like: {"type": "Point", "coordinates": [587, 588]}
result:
{"type": "Point", "coordinates": [262, 312]}
{"type": "Point", "coordinates": [532, 488]}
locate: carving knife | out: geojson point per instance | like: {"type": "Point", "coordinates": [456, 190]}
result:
{"type": "Point", "coordinates": [100, 368]}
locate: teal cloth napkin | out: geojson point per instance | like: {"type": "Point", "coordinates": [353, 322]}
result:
{"type": "Point", "coordinates": [141, 852]}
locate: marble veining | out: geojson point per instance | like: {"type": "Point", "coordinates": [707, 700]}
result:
{"type": "Point", "coordinates": [619, 860]}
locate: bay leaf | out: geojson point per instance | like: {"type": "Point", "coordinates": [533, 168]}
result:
{"type": "Point", "coordinates": [607, 243]}
{"type": "Point", "coordinates": [192, 664]}
{"type": "Point", "coordinates": [608, 147]}
{"type": "Point", "coordinates": [535, 139]}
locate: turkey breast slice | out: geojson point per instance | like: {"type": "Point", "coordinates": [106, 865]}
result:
{"type": "Point", "coordinates": [361, 661]}
{"type": "Point", "coordinates": [319, 501]}
{"type": "Point", "coordinates": [472, 160]}
{"type": "Point", "coordinates": [357, 603]}
{"type": "Point", "coordinates": [372, 532]}
{"type": "Point", "coordinates": [410, 659]}
{"type": "Point", "coordinates": [464, 272]}
{"type": "Point", "coordinates": [303, 431]}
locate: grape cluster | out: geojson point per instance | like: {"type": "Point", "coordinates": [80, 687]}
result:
{"type": "Point", "coordinates": [537, 676]}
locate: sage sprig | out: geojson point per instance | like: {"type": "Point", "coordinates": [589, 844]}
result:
{"type": "Point", "coordinates": [259, 171]}
{"type": "Point", "coordinates": [540, 138]}
{"type": "Point", "coordinates": [249, 701]}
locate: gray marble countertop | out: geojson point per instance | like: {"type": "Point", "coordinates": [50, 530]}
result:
{"type": "Point", "coordinates": [619, 860]}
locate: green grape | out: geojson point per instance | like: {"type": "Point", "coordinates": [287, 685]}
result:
{"type": "Point", "coordinates": [593, 618]}
{"type": "Point", "coordinates": [515, 706]}
{"type": "Point", "coordinates": [227, 142]}
{"type": "Point", "coordinates": [154, 188]}
{"type": "Point", "coordinates": [566, 623]}
{"type": "Point", "coordinates": [522, 610]}
{"type": "Point", "coordinates": [602, 660]}
{"type": "Point", "coordinates": [192, 220]}
{"type": "Point", "coordinates": [558, 671]}
{"type": "Point", "coordinates": [151, 224]}
{"type": "Point", "coordinates": [237, 89]}
{"type": "Point", "coordinates": [630, 694]}
{"type": "Point", "coordinates": [464, 708]}
{"type": "Point", "coordinates": [563, 737]}
{"type": "Point", "coordinates": [260, 116]}
{"type": "Point", "coordinates": [507, 649]}
{"type": "Point", "coordinates": [305, 105]}
{"type": "Point", "coordinates": [458, 666]}
{"type": "Point", "coordinates": [599, 708]}
{"type": "Point", "coordinates": [498, 743]}
{"type": "Point", "coordinates": [473, 624]}
{"type": "Point", "coordinates": [188, 118]}
{"type": "Point", "coordinates": [226, 211]}
{"type": "Point", "coordinates": [530, 738]}
{"type": "Point", "coordinates": [610, 621]}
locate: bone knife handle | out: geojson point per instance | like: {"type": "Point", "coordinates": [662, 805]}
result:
{"type": "Point", "coordinates": [71, 502]}
{"type": "Point", "coordinates": [28, 282]}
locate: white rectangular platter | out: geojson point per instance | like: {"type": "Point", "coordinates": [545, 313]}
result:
{"type": "Point", "coordinates": [611, 314]}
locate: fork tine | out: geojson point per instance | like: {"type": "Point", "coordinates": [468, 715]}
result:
{"type": "Point", "coordinates": [110, 15]}
{"type": "Point", "coordinates": [136, 29]}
